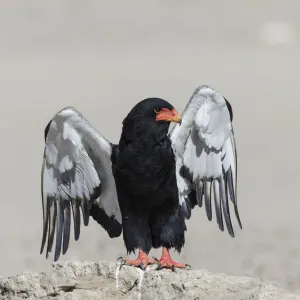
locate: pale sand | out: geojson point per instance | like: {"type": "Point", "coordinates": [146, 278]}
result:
{"type": "Point", "coordinates": [102, 59]}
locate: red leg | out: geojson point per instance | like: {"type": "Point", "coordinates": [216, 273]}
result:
{"type": "Point", "coordinates": [167, 262]}
{"type": "Point", "coordinates": [142, 261]}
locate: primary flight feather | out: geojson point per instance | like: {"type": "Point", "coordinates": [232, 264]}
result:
{"type": "Point", "coordinates": [147, 185]}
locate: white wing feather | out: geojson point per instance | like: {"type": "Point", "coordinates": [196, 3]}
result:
{"type": "Point", "coordinates": [76, 173]}
{"type": "Point", "coordinates": [205, 152]}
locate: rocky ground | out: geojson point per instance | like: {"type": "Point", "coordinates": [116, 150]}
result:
{"type": "Point", "coordinates": [102, 280]}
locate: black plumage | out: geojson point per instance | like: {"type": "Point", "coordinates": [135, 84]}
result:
{"type": "Point", "coordinates": [144, 171]}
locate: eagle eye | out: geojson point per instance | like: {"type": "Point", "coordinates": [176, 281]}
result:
{"type": "Point", "coordinates": [157, 110]}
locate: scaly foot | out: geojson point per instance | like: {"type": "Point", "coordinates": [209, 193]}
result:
{"type": "Point", "coordinates": [167, 262]}
{"type": "Point", "coordinates": [142, 261]}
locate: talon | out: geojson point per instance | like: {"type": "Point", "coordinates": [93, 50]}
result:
{"type": "Point", "coordinates": [123, 263]}
{"type": "Point", "coordinates": [167, 262]}
{"type": "Point", "coordinates": [188, 266]}
{"type": "Point", "coordinates": [142, 261]}
{"type": "Point", "coordinates": [156, 260]}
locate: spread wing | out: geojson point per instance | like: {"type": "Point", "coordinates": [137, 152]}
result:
{"type": "Point", "coordinates": [76, 175]}
{"type": "Point", "coordinates": [206, 158]}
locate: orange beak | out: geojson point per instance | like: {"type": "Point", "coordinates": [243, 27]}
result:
{"type": "Point", "coordinates": [168, 115]}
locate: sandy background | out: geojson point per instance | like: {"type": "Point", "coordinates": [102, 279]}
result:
{"type": "Point", "coordinates": [102, 59]}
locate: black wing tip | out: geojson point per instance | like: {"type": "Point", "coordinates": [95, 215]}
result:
{"type": "Point", "coordinates": [218, 205]}
{"type": "Point", "coordinates": [110, 224]}
{"type": "Point", "coordinates": [229, 185]}
{"type": "Point", "coordinates": [76, 219]}
{"type": "Point", "coordinates": [59, 229]}
{"type": "Point", "coordinates": [43, 244]}
{"type": "Point", "coordinates": [77, 236]}
{"type": "Point", "coordinates": [221, 227]}
{"type": "Point", "coordinates": [58, 251]}
{"type": "Point", "coordinates": [229, 107]}
{"type": "Point", "coordinates": [86, 221]}
{"type": "Point", "coordinates": [47, 130]}
{"type": "Point", "coordinates": [57, 254]}
{"type": "Point", "coordinates": [209, 216]}
{"type": "Point", "coordinates": [238, 217]}
{"type": "Point", "coordinates": [56, 257]}
{"type": "Point", "coordinates": [230, 228]}
{"type": "Point", "coordinates": [199, 193]}
{"type": "Point", "coordinates": [85, 213]}
{"type": "Point", "coordinates": [231, 234]}
{"type": "Point", "coordinates": [208, 209]}
{"type": "Point", "coordinates": [63, 227]}
{"type": "Point", "coordinates": [220, 221]}
{"type": "Point", "coordinates": [219, 218]}
{"type": "Point", "coordinates": [44, 238]}
{"type": "Point", "coordinates": [207, 199]}
{"type": "Point", "coordinates": [42, 249]}
{"type": "Point", "coordinates": [116, 233]}
{"type": "Point", "coordinates": [67, 227]}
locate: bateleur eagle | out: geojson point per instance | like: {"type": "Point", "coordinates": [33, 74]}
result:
{"type": "Point", "coordinates": [145, 186]}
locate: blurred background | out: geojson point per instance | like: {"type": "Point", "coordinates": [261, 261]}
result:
{"type": "Point", "coordinates": [102, 58]}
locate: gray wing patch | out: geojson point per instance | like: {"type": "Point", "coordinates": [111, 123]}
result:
{"type": "Point", "coordinates": [206, 159]}
{"type": "Point", "coordinates": [71, 184]}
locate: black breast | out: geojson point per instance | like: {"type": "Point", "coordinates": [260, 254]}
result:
{"type": "Point", "coordinates": [144, 164]}
{"type": "Point", "coordinates": [146, 169]}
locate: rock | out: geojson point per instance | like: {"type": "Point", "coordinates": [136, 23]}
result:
{"type": "Point", "coordinates": [102, 280]}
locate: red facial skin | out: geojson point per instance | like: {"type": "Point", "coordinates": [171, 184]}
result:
{"type": "Point", "coordinates": [166, 114]}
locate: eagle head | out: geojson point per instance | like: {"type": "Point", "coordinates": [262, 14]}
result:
{"type": "Point", "coordinates": [155, 109]}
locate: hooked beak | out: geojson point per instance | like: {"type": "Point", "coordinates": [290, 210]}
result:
{"type": "Point", "coordinates": [168, 115]}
